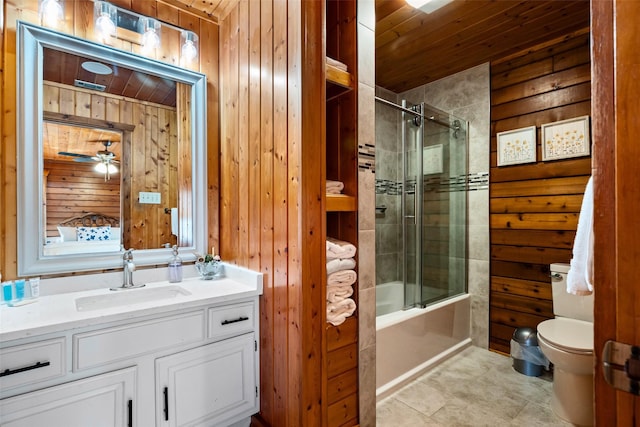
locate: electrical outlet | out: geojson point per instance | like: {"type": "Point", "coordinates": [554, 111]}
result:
{"type": "Point", "coordinates": [149, 198]}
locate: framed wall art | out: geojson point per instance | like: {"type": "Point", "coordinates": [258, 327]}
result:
{"type": "Point", "coordinates": [566, 138]}
{"type": "Point", "coordinates": [517, 146]}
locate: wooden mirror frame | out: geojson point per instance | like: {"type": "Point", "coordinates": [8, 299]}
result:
{"type": "Point", "coordinates": [31, 40]}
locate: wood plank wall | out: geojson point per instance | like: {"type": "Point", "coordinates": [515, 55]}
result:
{"type": "Point", "coordinates": [73, 189]}
{"type": "Point", "coordinates": [79, 22]}
{"type": "Point", "coordinates": [271, 205]}
{"type": "Point", "coordinates": [534, 207]}
{"type": "Point", "coordinates": [151, 154]}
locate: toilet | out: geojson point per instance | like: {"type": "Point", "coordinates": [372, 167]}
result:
{"type": "Point", "coordinates": [567, 341]}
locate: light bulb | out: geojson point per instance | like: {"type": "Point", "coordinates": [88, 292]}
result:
{"type": "Point", "coordinates": [105, 26]}
{"type": "Point", "coordinates": [189, 49]}
{"type": "Point", "coordinates": [150, 41]}
{"type": "Point", "coordinates": [51, 13]}
{"type": "Point", "coordinates": [150, 36]}
{"type": "Point", "coordinates": [105, 16]}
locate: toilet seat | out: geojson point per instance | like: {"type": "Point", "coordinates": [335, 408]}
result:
{"type": "Point", "coordinates": [570, 335]}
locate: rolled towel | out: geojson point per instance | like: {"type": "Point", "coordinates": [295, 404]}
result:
{"type": "Point", "coordinates": [339, 264]}
{"type": "Point", "coordinates": [334, 187]}
{"type": "Point", "coordinates": [339, 249]}
{"type": "Point", "coordinates": [342, 278]}
{"type": "Point", "coordinates": [336, 294]}
{"type": "Point", "coordinates": [338, 312]}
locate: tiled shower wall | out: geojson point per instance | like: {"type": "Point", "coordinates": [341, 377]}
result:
{"type": "Point", "coordinates": [388, 162]}
{"type": "Point", "coordinates": [467, 95]}
{"type": "Point", "coordinates": [366, 216]}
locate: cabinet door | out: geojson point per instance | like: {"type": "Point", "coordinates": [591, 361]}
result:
{"type": "Point", "coordinates": [210, 385]}
{"type": "Point", "coordinates": [103, 400]}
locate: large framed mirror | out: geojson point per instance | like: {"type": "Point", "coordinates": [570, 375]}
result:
{"type": "Point", "coordinates": [111, 156]}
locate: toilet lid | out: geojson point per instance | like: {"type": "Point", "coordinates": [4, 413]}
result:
{"type": "Point", "coordinates": [568, 334]}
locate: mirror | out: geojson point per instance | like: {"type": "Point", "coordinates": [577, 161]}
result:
{"type": "Point", "coordinates": [92, 164]}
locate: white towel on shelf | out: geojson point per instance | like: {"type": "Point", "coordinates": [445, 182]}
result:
{"type": "Point", "coordinates": [336, 63]}
{"type": "Point", "coordinates": [336, 294]}
{"type": "Point", "coordinates": [340, 264]}
{"type": "Point", "coordinates": [338, 312]}
{"type": "Point", "coordinates": [342, 278]}
{"type": "Point", "coordinates": [580, 276]}
{"type": "Point", "coordinates": [334, 187]}
{"type": "Point", "coordinates": [339, 249]}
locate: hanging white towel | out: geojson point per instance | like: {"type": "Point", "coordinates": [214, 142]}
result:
{"type": "Point", "coordinates": [580, 276]}
{"type": "Point", "coordinates": [342, 278]}
{"type": "Point", "coordinates": [339, 249]}
{"type": "Point", "coordinates": [338, 312]}
{"type": "Point", "coordinates": [340, 264]}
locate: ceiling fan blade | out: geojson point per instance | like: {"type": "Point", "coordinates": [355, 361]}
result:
{"type": "Point", "coordinates": [86, 159]}
{"type": "Point", "coordinates": [64, 153]}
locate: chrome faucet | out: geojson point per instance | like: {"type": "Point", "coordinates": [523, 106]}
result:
{"type": "Point", "coordinates": [127, 272]}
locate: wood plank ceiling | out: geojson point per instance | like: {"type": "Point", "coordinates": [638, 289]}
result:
{"type": "Point", "coordinates": [414, 48]}
{"type": "Point", "coordinates": [66, 68]}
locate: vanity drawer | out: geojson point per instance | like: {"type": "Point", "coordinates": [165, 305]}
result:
{"type": "Point", "coordinates": [232, 320]}
{"type": "Point", "coordinates": [95, 348]}
{"type": "Point", "coordinates": [31, 363]}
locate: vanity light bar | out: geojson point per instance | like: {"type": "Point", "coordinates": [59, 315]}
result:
{"type": "Point", "coordinates": [148, 27]}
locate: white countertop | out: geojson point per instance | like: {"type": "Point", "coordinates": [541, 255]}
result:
{"type": "Point", "coordinates": [56, 313]}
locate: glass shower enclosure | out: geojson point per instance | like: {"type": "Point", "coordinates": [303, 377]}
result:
{"type": "Point", "coordinates": [421, 205]}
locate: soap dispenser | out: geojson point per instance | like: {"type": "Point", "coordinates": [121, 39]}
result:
{"type": "Point", "coordinates": [175, 267]}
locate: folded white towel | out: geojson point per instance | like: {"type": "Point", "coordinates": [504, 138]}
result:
{"type": "Point", "coordinates": [336, 294]}
{"type": "Point", "coordinates": [334, 187]}
{"type": "Point", "coordinates": [337, 64]}
{"type": "Point", "coordinates": [580, 276]}
{"type": "Point", "coordinates": [338, 312]}
{"type": "Point", "coordinates": [339, 249]}
{"type": "Point", "coordinates": [342, 278]}
{"type": "Point", "coordinates": [340, 264]}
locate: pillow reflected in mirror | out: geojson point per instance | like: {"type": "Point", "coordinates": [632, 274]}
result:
{"type": "Point", "coordinates": [94, 234]}
{"type": "Point", "coordinates": [68, 234]}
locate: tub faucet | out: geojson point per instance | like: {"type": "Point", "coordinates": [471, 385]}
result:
{"type": "Point", "coordinates": [127, 272]}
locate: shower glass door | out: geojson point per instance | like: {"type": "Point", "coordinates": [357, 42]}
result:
{"type": "Point", "coordinates": [411, 139]}
{"type": "Point", "coordinates": [421, 205]}
{"type": "Point", "coordinates": [443, 206]}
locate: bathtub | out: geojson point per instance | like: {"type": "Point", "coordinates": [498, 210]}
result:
{"type": "Point", "coordinates": [410, 342]}
{"type": "Point", "coordinates": [389, 297]}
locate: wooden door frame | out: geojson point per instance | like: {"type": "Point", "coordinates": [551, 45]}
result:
{"type": "Point", "coordinates": [615, 115]}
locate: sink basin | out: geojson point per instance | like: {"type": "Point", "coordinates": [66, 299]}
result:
{"type": "Point", "coordinates": [128, 297]}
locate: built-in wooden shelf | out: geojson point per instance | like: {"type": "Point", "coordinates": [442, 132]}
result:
{"type": "Point", "coordinates": [341, 203]}
{"type": "Point", "coordinates": [339, 77]}
{"type": "Point", "coordinates": [338, 81]}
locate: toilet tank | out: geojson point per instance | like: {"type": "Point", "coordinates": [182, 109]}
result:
{"type": "Point", "coordinates": [564, 303]}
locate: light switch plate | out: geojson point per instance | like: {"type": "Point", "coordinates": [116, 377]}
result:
{"type": "Point", "coordinates": [149, 198]}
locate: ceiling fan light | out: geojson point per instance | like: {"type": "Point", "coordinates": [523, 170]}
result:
{"type": "Point", "coordinates": [103, 167]}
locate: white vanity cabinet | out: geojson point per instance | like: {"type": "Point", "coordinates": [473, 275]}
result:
{"type": "Point", "coordinates": [194, 366]}
{"type": "Point", "coordinates": [102, 400]}
{"type": "Point", "coordinates": [207, 385]}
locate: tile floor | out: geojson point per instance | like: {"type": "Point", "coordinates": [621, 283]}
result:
{"type": "Point", "coordinates": [476, 387]}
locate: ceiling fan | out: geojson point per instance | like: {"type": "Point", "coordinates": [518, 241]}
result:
{"type": "Point", "coordinates": [106, 160]}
